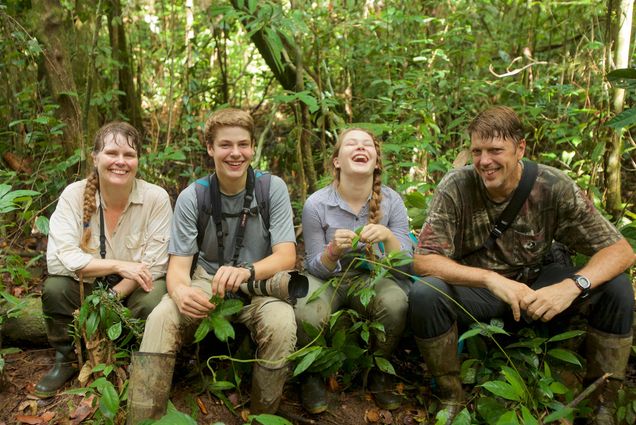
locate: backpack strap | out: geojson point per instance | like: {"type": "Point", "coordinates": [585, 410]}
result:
{"type": "Point", "coordinates": [508, 215]}
{"type": "Point", "coordinates": [209, 205]}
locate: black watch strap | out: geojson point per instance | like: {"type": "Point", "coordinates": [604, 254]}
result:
{"type": "Point", "coordinates": [583, 283]}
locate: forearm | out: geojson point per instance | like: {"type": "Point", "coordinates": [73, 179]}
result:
{"type": "Point", "coordinates": [125, 287]}
{"type": "Point", "coordinates": [608, 263]}
{"type": "Point", "coordinates": [178, 274]}
{"type": "Point", "coordinates": [100, 267]}
{"type": "Point", "coordinates": [450, 271]}
{"type": "Point", "coordinates": [282, 258]}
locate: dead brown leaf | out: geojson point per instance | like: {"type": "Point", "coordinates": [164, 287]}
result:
{"type": "Point", "coordinates": [84, 410]}
{"type": "Point", "coordinates": [28, 407]}
{"type": "Point", "coordinates": [29, 419]}
{"type": "Point", "coordinates": [332, 384]}
{"type": "Point", "coordinates": [48, 415]}
{"type": "Point", "coordinates": [399, 388]}
{"type": "Point", "coordinates": [245, 414]}
{"type": "Point", "coordinates": [17, 291]}
{"type": "Point", "coordinates": [202, 407]}
{"type": "Point", "coordinates": [372, 415]}
{"type": "Point", "coordinates": [386, 417]}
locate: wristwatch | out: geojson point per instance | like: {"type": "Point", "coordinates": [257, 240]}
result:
{"type": "Point", "coordinates": [250, 267]}
{"type": "Point", "coordinates": [583, 283]}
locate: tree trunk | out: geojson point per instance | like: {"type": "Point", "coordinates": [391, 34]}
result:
{"type": "Point", "coordinates": [129, 101]}
{"type": "Point", "coordinates": [615, 145]}
{"type": "Point", "coordinates": [54, 34]}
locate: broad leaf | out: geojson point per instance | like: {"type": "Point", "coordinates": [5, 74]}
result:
{"type": "Point", "coordinates": [565, 355]}
{"type": "Point", "coordinates": [307, 361]}
{"type": "Point", "coordinates": [502, 389]}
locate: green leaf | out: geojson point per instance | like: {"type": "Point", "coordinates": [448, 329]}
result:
{"type": "Point", "coordinates": [109, 400]}
{"type": "Point", "coordinates": [221, 386]}
{"type": "Point", "coordinates": [228, 307]}
{"type": "Point", "coordinates": [566, 335]}
{"type": "Point", "coordinates": [512, 376]}
{"type": "Point", "coordinates": [565, 355]}
{"type": "Point", "coordinates": [469, 333]}
{"type": "Point", "coordinates": [462, 418]}
{"type": "Point", "coordinates": [501, 389]}
{"type": "Point", "coordinates": [559, 414]}
{"type": "Point", "coordinates": [202, 330]}
{"type": "Point", "coordinates": [222, 328]}
{"type": "Point", "coordinates": [508, 418]}
{"type": "Point", "coordinates": [528, 418]}
{"type": "Point", "coordinates": [114, 331]}
{"type": "Point", "coordinates": [307, 360]}
{"type": "Point", "coordinates": [91, 324]}
{"type": "Point", "coordinates": [625, 119]}
{"type": "Point", "coordinates": [42, 224]}
{"type": "Point", "coordinates": [384, 365]}
{"type": "Point", "coordinates": [267, 419]}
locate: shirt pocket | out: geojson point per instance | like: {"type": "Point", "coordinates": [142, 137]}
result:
{"type": "Point", "coordinates": [134, 245]}
{"type": "Point", "coordinates": [529, 246]}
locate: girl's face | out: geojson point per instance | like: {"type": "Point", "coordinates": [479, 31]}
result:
{"type": "Point", "coordinates": [117, 162]}
{"type": "Point", "coordinates": [357, 154]}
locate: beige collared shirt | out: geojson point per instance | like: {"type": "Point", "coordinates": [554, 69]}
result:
{"type": "Point", "coordinates": [141, 235]}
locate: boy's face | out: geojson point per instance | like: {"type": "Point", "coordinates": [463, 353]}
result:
{"type": "Point", "coordinates": [232, 151]}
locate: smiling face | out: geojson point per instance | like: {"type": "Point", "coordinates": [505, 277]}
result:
{"type": "Point", "coordinates": [357, 154]}
{"type": "Point", "coordinates": [496, 160]}
{"type": "Point", "coordinates": [116, 162]}
{"type": "Point", "coordinates": [232, 151]}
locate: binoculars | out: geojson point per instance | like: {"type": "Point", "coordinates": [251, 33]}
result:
{"type": "Point", "coordinates": [287, 286]}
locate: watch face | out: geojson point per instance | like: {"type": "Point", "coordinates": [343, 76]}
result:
{"type": "Point", "coordinates": [582, 282]}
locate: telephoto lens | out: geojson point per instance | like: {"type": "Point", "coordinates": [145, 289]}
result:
{"type": "Point", "coordinates": [287, 286]}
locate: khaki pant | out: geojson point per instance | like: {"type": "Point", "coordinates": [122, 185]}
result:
{"type": "Point", "coordinates": [389, 306]}
{"type": "Point", "coordinates": [270, 321]}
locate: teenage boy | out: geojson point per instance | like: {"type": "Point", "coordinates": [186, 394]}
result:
{"type": "Point", "coordinates": [229, 136]}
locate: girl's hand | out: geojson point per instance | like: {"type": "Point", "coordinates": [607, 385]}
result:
{"type": "Point", "coordinates": [374, 233]}
{"type": "Point", "coordinates": [342, 241]}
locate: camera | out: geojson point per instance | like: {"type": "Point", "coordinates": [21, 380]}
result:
{"type": "Point", "coordinates": [111, 279]}
{"type": "Point", "coordinates": [287, 286]}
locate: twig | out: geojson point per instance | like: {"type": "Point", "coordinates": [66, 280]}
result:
{"type": "Point", "coordinates": [516, 71]}
{"type": "Point", "coordinates": [589, 390]}
{"type": "Point", "coordinates": [294, 417]}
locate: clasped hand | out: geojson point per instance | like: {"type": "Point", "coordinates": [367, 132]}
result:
{"type": "Point", "coordinates": [371, 233]}
{"type": "Point", "coordinates": [541, 304]}
{"type": "Point", "coordinates": [139, 272]}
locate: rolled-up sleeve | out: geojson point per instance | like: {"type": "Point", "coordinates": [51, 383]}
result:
{"type": "Point", "coordinates": [157, 235]}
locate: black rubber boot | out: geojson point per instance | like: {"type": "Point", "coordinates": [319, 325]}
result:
{"type": "Point", "coordinates": [382, 386]}
{"type": "Point", "coordinates": [313, 394]}
{"type": "Point", "coordinates": [65, 366]}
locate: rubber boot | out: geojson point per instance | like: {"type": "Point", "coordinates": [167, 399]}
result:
{"type": "Point", "coordinates": [313, 393]}
{"type": "Point", "coordinates": [606, 353]}
{"type": "Point", "coordinates": [267, 388]}
{"type": "Point", "coordinates": [65, 366]}
{"type": "Point", "coordinates": [149, 386]}
{"type": "Point", "coordinates": [440, 355]}
{"type": "Point", "coordinates": [382, 386]}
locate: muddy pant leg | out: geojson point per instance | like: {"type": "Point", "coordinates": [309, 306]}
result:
{"type": "Point", "coordinates": [141, 303]}
{"type": "Point", "coordinates": [166, 328]}
{"type": "Point", "coordinates": [389, 306]}
{"type": "Point", "coordinates": [317, 312]}
{"type": "Point", "coordinates": [273, 328]}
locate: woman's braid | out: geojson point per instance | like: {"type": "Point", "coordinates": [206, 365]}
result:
{"type": "Point", "coordinates": [92, 184]}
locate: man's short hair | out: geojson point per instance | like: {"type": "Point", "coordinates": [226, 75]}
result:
{"type": "Point", "coordinates": [229, 117]}
{"type": "Point", "coordinates": [498, 121]}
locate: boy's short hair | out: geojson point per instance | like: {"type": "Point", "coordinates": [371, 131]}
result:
{"type": "Point", "coordinates": [498, 121]}
{"type": "Point", "coordinates": [229, 117]}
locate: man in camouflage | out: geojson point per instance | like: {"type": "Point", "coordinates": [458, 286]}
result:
{"type": "Point", "coordinates": [511, 277]}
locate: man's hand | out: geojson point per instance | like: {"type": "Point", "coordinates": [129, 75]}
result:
{"type": "Point", "coordinates": [547, 302]}
{"type": "Point", "coordinates": [191, 301]}
{"type": "Point", "coordinates": [229, 278]}
{"type": "Point", "coordinates": [509, 291]}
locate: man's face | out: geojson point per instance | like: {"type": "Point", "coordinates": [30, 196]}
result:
{"type": "Point", "coordinates": [232, 151]}
{"type": "Point", "coordinates": [497, 163]}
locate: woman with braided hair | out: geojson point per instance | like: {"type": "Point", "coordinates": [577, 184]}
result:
{"type": "Point", "coordinates": [356, 198]}
{"type": "Point", "coordinates": [110, 227]}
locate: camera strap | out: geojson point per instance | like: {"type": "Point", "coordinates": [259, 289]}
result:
{"type": "Point", "coordinates": [102, 236]}
{"type": "Point", "coordinates": [217, 215]}
{"type": "Point", "coordinates": [508, 215]}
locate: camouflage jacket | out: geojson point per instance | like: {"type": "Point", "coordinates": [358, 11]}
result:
{"type": "Point", "coordinates": [461, 216]}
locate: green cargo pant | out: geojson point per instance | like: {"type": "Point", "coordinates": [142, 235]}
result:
{"type": "Point", "coordinates": [389, 307]}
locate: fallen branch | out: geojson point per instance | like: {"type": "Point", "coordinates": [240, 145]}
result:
{"type": "Point", "coordinates": [516, 71]}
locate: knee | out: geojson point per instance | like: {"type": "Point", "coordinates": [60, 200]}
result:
{"type": "Point", "coordinates": [393, 303]}
{"type": "Point", "coordinates": [56, 293]}
{"type": "Point", "coordinates": [426, 296]}
{"type": "Point", "coordinates": [619, 292]}
{"type": "Point", "coordinates": [278, 327]}
{"type": "Point", "coordinates": [315, 313]}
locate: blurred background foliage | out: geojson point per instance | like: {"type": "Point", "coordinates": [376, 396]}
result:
{"type": "Point", "coordinates": [415, 72]}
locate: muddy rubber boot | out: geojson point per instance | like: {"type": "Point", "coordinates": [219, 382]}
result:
{"type": "Point", "coordinates": [313, 394]}
{"type": "Point", "coordinates": [382, 386]}
{"type": "Point", "coordinates": [267, 388]}
{"type": "Point", "coordinates": [606, 353]}
{"type": "Point", "coordinates": [65, 367]}
{"type": "Point", "coordinates": [149, 387]}
{"type": "Point", "coordinates": [440, 355]}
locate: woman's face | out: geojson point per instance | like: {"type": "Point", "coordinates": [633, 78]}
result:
{"type": "Point", "coordinates": [117, 162]}
{"type": "Point", "coordinates": [357, 154]}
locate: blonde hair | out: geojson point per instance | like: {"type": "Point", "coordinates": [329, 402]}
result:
{"type": "Point", "coordinates": [133, 138]}
{"type": "Point", "coordinates": [229, 117]}
{"type": "Point", "coordinates": [375, 212]}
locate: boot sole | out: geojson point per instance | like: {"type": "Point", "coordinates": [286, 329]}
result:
{"type": "Point", "coordinates": [316, 410]}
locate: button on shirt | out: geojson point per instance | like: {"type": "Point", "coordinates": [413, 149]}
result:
{"type": "Point", "coordinates": [141, 235]}
{"type": "Point", "coordinates": [325, 212]}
